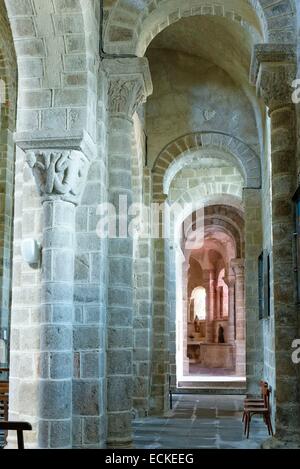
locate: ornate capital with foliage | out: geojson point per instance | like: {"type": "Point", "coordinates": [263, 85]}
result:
{"type": "Point", "coordinates": [125, 96]}
{"type": "Point", "coordinates": [59, 174]}
{"type": "Point", "coordinates": [129, 85]}
{"type": "Point", "coordinates": [275, 85]}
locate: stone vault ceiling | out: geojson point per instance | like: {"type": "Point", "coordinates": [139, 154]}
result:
{"type": "Point", "coordinates": [215, 39]}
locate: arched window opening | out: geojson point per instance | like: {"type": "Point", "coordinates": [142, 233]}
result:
{"type": "Point", "coordinates": [198, 304]}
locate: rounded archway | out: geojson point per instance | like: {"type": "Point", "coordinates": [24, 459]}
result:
{"type": "Point", "coordinates": [147, 20]}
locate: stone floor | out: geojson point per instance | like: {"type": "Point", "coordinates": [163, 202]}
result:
{"type": "Point", "coordinates": [211, 422]}
{"type": "Point", "coordinates": [197, 370]}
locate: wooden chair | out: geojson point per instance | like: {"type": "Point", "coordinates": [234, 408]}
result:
{"type": "Point", "coordinates": [258, 408]}
{"type": "Point", "coordinates": [256, 401]}
{"type": "Point", "coordinates": [19, 427]}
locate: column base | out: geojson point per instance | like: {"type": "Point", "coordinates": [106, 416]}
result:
{"type": "Point", "coordinates": [276, 443]}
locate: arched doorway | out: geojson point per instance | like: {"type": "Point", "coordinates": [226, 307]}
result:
{"type": "Point", "coordinates": [214, 337]}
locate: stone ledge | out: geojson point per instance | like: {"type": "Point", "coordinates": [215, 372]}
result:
{"type": "Point", "coordinates": [69, 141]}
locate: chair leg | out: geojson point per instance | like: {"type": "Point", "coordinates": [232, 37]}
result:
{"type": "Point", "coordinates": [246, 422]}
{"type": "Point", "coordinates": [249, 423]}
{"type": "Point", "coordinates": [5, 418]}
{"type": "Point", "coordinates": [269, 424]}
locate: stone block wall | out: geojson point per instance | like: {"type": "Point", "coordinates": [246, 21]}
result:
{"type": "Point", "coordinates": [52, 37]}
{"type": "Point", "coordinates": [7, 169]}
{"type": "Point", "coordinates": [224, 178]}
{"type": "Point", "coordinates": [8, 92]}
{"type": "Point", "coordinates": [26, 315]}
{"type": "Point", "coordinates": [53, 100]}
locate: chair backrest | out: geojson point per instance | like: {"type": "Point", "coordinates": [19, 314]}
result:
{"type": "Point", "coordinates": [263, 385]}
{"type": "Point", "coordinates": [266, 396]}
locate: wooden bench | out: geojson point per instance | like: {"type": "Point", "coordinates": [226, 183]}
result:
{"type": "Point", "coordinates": [19, 427]}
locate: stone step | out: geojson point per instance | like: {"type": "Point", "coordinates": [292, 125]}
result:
{"type": "Point", "coordinates": [210, 391]}
{"type": "Point", "coordinates": [208, 387]}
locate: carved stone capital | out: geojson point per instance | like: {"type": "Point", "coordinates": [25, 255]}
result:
{"type": "Point", "coordinates": [238, 265]}
{"type": "Point", "coordinates": [229, 278]}
{"type": "Point", "coordinates": [273, 71]}
{"type": "Point", "coordinates": [129, 85]}
{"type": "Point", "coordinates": [59, 174]}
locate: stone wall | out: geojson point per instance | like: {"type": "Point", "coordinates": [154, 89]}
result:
{"type": "Point", "coordinates": [219, 175]}
{"type": "Point", "coordinates": [62, 105]}
{"type": "Point", "coordinates": [118, 326]}
{"type": "Point", "coordinates": [8, 91]}
{"type": "Point", "coordinates": [26, 316]}
{"type": "Point", "coordinates": [190, 95]}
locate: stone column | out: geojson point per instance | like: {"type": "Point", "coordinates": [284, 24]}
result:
{"type": "Point", "coordinates": [229, 279]}
{"type": "Point", "coordinates": [209, 285]}
{"type": "Point", "coordinates": [238, 266]}
{"type": "Point", "coordinates": [129, 85]}
{"type": "Point", "coordinates": [60, 177]}
{"type": "Point", "coordinates": [161, 316]}
{"type": "Point", "coordinates": [185, 306]}
{"type": "Point", "coordinates": [218, 303]}
{"type": "Point", "coordinates": [274, 69]}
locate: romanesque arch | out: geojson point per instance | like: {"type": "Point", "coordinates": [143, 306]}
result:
{"type": "Point", "coordinates": [182, 148]}
{"type": "Point", "coordinates": [132, 25]}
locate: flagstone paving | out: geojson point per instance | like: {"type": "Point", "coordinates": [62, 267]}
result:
{"type": "Point", "coordinates": [212, 422]}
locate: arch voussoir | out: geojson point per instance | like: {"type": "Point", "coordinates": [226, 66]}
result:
{"type": "Point", "coordinates": [246, 159]}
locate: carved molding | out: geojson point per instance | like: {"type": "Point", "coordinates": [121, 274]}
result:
{"type": "Point", "coordinates": [59, 174]}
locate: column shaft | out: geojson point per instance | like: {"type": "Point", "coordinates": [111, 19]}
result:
{"type": "Point", "coordinates": [209, 285]}
{"type": "Point", "coordinates": [253, 248]}
{"type": "Point", "coordinates": [238, 267]}
{"type": "Point", "coordinates": [55, 426]}
{"type": "Point", "coordinates": [230, 281]}
{"type": "Point", "coordinates": [120, 289]}
{"type": "Point", "coordinates": [129, 85]}
{"type": "Point", "coordinates": [60, 178]}
{"type": "Point", "coordinates": [273, 70]}
{"type": "Point", "coordinates": [283, 184]}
